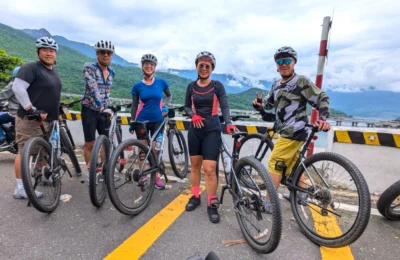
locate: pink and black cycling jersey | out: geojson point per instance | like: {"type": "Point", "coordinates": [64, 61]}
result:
{"type": "Point", "coordinates": [204, 101]}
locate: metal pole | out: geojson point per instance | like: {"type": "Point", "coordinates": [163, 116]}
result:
{"type": "Point", "coordinates": [323, 51]}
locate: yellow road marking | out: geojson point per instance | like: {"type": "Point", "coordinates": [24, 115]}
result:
{"type": "Point", "coordinates": [138, 243]}
{"type": "Point", "coordinates": [324, 224]}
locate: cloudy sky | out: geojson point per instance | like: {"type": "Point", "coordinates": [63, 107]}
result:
{"type": "Point", "coordinates": [243, 35]}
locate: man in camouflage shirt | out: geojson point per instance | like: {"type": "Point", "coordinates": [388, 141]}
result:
{"type": "Point", "coordinates": [289, 96]}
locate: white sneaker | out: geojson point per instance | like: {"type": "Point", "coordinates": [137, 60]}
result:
{"type": "Point", "coordinates": [21, 194]}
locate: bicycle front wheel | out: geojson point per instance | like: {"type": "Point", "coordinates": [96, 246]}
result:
{"type": "Point", "coordinates": [178, 153]}
{"type": "Point", "coordinates": [333, 208]}
{"type": "Point", "coordinates": [42, 186]}
{"type": "Point", "coordinates": [132, 193]}
{"type": "Point", "coordinates": [257, 211]}
{"type": "Point", "coordinates": [389, 202]}
{"type": "Point", "coordinates": [98, 170]}
{"type": "Point", "coordinates": [68, 149]}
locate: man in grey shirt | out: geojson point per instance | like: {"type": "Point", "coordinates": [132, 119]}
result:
{"type": "Point", "coordinates": [8, 117]}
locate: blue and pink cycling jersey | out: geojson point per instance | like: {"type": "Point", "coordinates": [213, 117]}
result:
{"type": "Point", "coordinates": [150, 104]}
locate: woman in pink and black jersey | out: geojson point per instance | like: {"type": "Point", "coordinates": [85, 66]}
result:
{"type": "Point", "coordinates": [203, 97]}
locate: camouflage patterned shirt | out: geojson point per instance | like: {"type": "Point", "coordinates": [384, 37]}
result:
{"type": "Point", "coordinates": [290, 100]}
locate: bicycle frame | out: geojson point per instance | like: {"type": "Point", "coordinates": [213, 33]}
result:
{"type": "Point", "coordinates": [159, 163]}
{"type": "Point", "coordinates": [300, 161]}
{"type": "Point", "coordinates": [232, 178]}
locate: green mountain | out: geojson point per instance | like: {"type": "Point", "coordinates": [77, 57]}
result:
{"type": "Point", "coordinates": [70, 64]}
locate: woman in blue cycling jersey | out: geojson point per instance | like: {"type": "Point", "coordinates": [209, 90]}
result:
{"type": "Point", "coordinates": [147, 103]}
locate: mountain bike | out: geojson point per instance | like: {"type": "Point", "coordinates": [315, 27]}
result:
{"type": "Point", "coordinates": [388, 203]}
{"type": "Point", "coordinates": [101, 153]}
{"type": "Point", "coordinates": [42, 163]}
{"type": "Point", "coordinates": [329, 196]}
{"type": "Point", "coordinates": [133, 195]}
{"type": "Point", "coordinates": [261, 229]}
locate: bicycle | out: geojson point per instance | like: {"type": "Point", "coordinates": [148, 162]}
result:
{"type": "Point", "coordinates": [388, 203]}
{"type": "Point", "coordinates": [101, 153]}
{"type": "Point", "coordinates": [249, 201]}
{"type": "Point", "coordinates": [314, 189]}
{"type": "Point", "coordinates": [39, 151]}
{"type": "Point", "coordinates": [142, 156]}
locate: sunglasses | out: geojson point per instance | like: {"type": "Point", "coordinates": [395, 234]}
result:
{"type": "Point", "coordinates": [284, 61]}
{"type": "Point", "coordinates": [109, 53]}
{"type": "Point", "coordinates": [201, 66]}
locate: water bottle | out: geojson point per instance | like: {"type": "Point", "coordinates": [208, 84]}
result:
{"type": "Point", "coordinates": [54, 139]}
{"type": "Point", "coordinates": [227, 162]}
{"type": "Point", "coordinates": [159, 140]}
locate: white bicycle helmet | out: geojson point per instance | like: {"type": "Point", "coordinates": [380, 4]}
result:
{"type": "Point", "coordinates": [46, 42]}
{"type": "Point", "coordinates": [284, 52]}
{"type": "Point", "coordinates": [206, 54]}
{"type": "Point", "coordinates": [149, 57]}
{"type": "Point", "coordinates": [104, 45]}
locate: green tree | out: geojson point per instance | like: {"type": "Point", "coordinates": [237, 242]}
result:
{"type": "Point", "coordinates": [7, 64]}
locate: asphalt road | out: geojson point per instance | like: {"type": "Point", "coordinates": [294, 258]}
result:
{"type": "Point", "coordinates": [78, 230]}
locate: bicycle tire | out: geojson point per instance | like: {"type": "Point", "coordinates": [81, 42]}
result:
{"type": "Point", "coordinates": [110, 178]}
{"type": "Point", "coordinates": [70, 137]}
{"type": "Point", "coordinates": [120, 167]}
{"type": "Point", "coordinates": [181, 140]}
{"type": "Point", "coordinates": [65, 143]}
{"type": "Point", "coordinates": [361, 222]}
{"type": "Point", "coordinates": [386, 199]}
{"type": "Point", "coordinates": [265, 145]}
{"type": "Point", "coordinates": [98, 199]}
{"type": "Point", "coordinates": [30, 145]}
{"type": "Point", "coordinates": [263, 150]}
{"type": "Point", "coordinates": [276, 216]}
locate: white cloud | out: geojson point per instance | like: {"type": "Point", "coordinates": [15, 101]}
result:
{"type": "Point", "coordinates": [243, 35]}
{"type": "Point", "coordinates": [234, 83]}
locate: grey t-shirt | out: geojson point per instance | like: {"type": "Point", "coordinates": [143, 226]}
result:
{"type": "Point", "coordinates": [45, 87]}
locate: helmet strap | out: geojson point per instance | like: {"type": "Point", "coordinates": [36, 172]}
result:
{"type": "Point", "coordinates": [147, 76]}
{"type": "Point", "coordinates": [287, 78]}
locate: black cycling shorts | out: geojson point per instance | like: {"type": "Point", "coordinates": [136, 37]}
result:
{"type": "Point", "coordinates": [141, 134]}
{"type": "Point", "coordinates": [204, 143]}
{"type": "Point", "coordinates": [92, 121]}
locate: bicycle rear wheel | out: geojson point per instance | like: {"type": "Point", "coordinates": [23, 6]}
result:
{"type": "Point", "coordinates": [178, 153]}
{"type": "Point", "coordinates": [132, 193]}
{"type": "Point", "coordinates": [119, 166]}
{"type": "Point", "coordinates": [335, 210]}
{"type": "Point", "coordinates": [262, 229]}
{"type": "Point", "coordinates": [389, 202]}
{"type": "Point", "coordinates": [98, 170]}
{"type": "Point", "coordinates": [42, 186]}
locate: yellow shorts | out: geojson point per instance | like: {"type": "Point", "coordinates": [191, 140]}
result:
{"type": "Point", "coordinates": [284, 150]}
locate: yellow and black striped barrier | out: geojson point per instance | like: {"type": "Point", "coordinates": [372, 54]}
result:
{"type": "Point", "coordinates": [367, 138]}
{"type": "Point", "coordinates": [180, 124]}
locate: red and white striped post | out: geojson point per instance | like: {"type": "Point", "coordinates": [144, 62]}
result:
{"type": "Point", "coordinates": [323, 51]}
